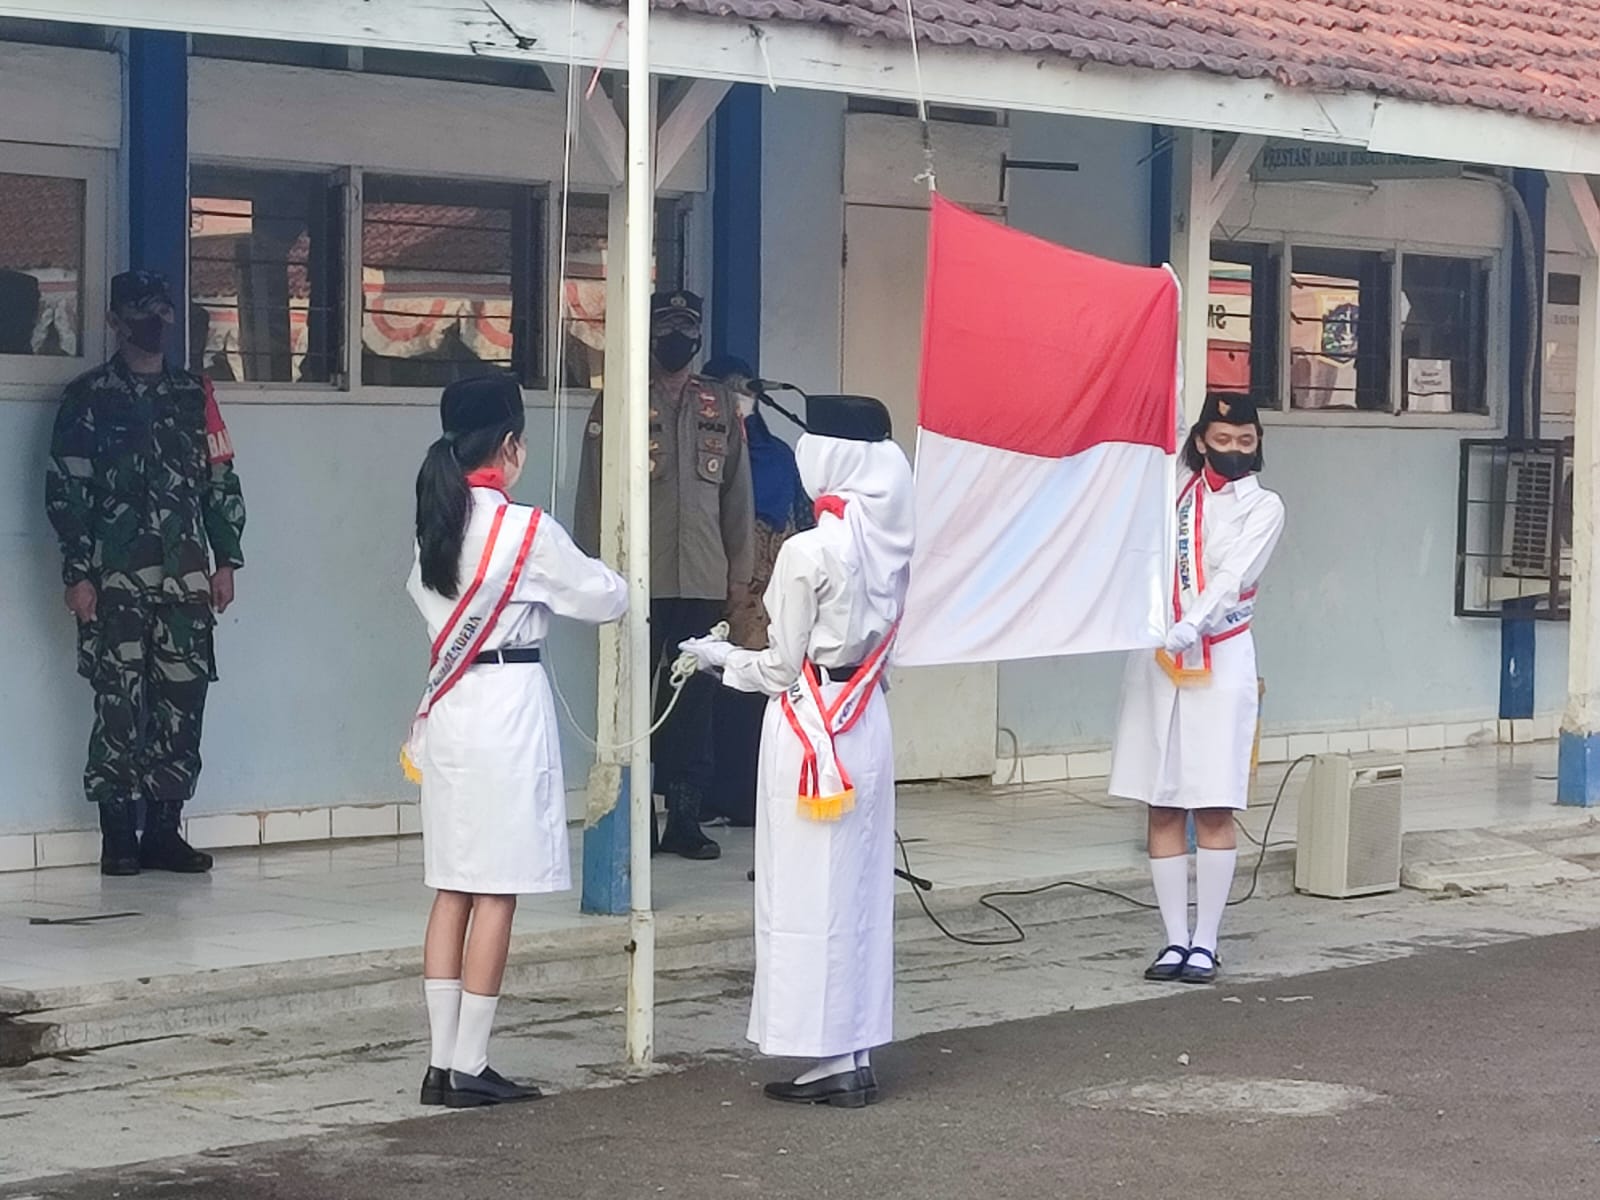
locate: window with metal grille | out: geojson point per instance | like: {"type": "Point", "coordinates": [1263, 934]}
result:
{"type": "Point", "coordinates": [266, 275]}
{"type": "Point", "coordinates": [450, 280]}
{"type": "Point", "coordinates": [1514, 534]}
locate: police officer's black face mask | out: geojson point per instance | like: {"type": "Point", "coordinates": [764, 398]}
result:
{"type": "Point", "coordinates": [146, 333]}
{"type": "Point", "coordinates": [675, 350]}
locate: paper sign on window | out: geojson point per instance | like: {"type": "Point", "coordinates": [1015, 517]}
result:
{"type": "Point", "coordinates": [1428, 387]}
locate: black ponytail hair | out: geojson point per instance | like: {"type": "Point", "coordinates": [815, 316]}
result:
{"type": "Point", "coordinates": [444, 500]}
{"type": "Point", "coordinates": [1223, 408]}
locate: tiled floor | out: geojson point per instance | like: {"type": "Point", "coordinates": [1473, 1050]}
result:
{"type": "Point", "coordinates": [280, 905]}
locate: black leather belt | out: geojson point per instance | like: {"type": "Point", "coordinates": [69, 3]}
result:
{"type": "Point", "coordinates": [840, 674]}
{"type": "Point", "coordinates": [517, 654]}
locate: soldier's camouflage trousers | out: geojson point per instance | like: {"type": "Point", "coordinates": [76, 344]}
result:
{"type": "Point", "coordinates": [150, 665]}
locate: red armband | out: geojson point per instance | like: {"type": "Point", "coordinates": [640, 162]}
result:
{"type": "Point", "coordinates": [219, 446]}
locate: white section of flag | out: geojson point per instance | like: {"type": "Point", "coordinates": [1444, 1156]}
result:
{"type": "Point", "coordinates": [1020, 556]}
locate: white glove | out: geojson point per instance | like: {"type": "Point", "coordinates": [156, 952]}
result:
{"type": "Point", "coordinates": [710, 654]}
{"type": "Point", "coordinates": [1181, 637]}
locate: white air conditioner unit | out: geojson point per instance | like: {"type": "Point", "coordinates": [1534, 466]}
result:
{"type": "Point", "coordinates": [1349, 828]}
{"type": "Point", "coordinates": [1538, 521]}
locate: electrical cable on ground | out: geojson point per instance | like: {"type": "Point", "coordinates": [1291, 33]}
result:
{"type": "Point", "coordinates": [1018, 935]}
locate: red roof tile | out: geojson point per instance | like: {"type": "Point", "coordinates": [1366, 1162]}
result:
{"type": "Point", "coordinates": [1538, 58]}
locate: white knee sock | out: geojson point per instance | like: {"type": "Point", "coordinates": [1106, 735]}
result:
{"type": "Point", "coordinates": [1213, 880]}
{"type": "Point", "coordinates": [471, 1054]}
{"type": "Point", "coordinates": [829, 1066]}
{"type": "Point", "coordinates": [444, 1019]}
{"type": "Point", "coordinates": [1171, 877]}
{"type": "Point", "coordinates": [863, 1059]}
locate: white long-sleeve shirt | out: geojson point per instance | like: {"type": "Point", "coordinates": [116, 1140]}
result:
{"type": "Point", "coordinates": [815, 610]}
{"type": "Point", "coordinates": [558, 579]}
{"type": "Point", "coordinates": [1241, 525]}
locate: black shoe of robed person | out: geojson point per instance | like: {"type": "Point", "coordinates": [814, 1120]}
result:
{"type": "Point", "coordinates": [1201, 966]}
{"type": "Point", "coordinates": [844, 1090]}
{"type": "Point", "coordinates": [1160, 972]}
{"type": "Point", "coordinates": [489, 1088]}
{"type": "Point", "coordinates": [869, 1080]}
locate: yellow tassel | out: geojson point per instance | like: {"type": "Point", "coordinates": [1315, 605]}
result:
{"type": "Point", "coordinates": [1182, 676]}
{"type": "Point", "coordinates": [412, 774]}
{"type": "Point", "coordinates": [828, 808]}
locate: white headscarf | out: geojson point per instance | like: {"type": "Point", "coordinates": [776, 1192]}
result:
{"type": "Point", "coordinates": [874, 481]}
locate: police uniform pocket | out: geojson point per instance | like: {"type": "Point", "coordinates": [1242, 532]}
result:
{"type": "Point", "coordinates": [709, 465]}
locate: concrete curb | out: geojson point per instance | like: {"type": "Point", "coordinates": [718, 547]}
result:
{"type": "Point", "coordinates": [45, 1022]}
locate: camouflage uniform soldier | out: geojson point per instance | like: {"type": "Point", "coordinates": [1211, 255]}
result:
{"type": "Point", "coordinates": [144, 500]}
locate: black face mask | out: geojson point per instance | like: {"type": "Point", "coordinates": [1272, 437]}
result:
{"type": "Point", "coordinates": [146, 333]}
{"type": "Point", "coordinates": [675, 350]}
{"type": "Point", "coordinates": [1230, 464]}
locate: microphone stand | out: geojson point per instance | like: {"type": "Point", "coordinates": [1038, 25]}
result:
{"type": "Point", "coordinates": [763, 398]}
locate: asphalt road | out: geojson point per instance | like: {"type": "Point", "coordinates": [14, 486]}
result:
{"type": "Point", "coordinates": [1452, 1074]}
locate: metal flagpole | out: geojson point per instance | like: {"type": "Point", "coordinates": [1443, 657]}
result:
{"type": "Point", "coordinates": [640, 222]}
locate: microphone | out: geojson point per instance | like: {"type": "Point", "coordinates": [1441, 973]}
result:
{"type": "Point", "coordinates": [771, 385]}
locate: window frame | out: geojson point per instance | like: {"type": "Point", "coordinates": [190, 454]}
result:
{"type": "Point", "coordinates": [1394, 415]}
{"type": "Point", "coordinates": [339, 183]}
{"type": "Point", "coordinates": [26, 376]}
{"type": "Point", "coordinates": [536, 377]}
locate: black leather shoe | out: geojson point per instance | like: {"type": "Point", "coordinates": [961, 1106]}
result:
{"type": "Point", "coordinates": [694, 846]}
{"type": "Point", "coordinates": [489, 1088]}
{"type": "Point", "coordinates": [844, 1090]}
{"type": "Point", "coordinates": [869, 1080]}
{"type": "Point", "coordinates": [165, 850]}
{"type": "Point", "coordinates": [683, 835]}
{"type": "Point", "coordinates": [1160, 972]}
{"type": "Point", "coordinates": [434, 1084]}
{"type": "Point", "coordinates": [1200, 970]}
{"type": "Point", "coordinates": [119, 840]}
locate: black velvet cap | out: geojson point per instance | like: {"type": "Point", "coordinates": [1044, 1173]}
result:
{"type": "Point", "coordinates": [472, 404]}
{"type": "Point", "coordinates": [853, 418]}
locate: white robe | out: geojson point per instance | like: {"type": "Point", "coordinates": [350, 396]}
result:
{"type": "Point", "coordinates": [1189, 747]}
{"type": "Point", "coordinates": [494, 805]}
{"type": "Point", "coordinates": [824, 893]}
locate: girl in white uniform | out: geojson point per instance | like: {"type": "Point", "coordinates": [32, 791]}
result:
{"type": "Point", "coordinates": [824, 985]}
{"type": "Point", "coordinates": [489, 575]}
{"type": "Point", "coordinates": [1187, 726]}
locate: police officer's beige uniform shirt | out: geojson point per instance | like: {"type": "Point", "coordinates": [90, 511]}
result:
{"type": "Point", "coordinates": [702, 511]}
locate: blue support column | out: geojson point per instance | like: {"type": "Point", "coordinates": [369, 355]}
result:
{"type": "Point", "coordinates": [1578, 770]}
{"type": "Point", "coordinates": [607, 874]}
{"type": "Point", "coordinates": [158, 162]}
{"type": "Point", "coordinates": [1518, 632]}
{"type": "Point", "coordinates": [736, 226]}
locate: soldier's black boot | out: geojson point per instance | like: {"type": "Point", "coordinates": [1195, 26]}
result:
{"type": "Point", "coordinates": [119, 839]}
{"type": "Point", "coordinates": [164, 849]}
{"type": "Point", "coordinates": [683, 836]}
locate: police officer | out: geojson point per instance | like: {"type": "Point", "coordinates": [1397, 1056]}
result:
{"type": "Point", "coordinates": [701, 545]}
{"type": "Point", "coordinates": [146, 505]}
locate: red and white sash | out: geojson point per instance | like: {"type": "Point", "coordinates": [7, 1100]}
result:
{"type": "Point", "coordinates": [1189, 581]}
{"type": "Point", "coordinates": [466, 634]}
{"type": "Point", "coordinates": [825, 792]}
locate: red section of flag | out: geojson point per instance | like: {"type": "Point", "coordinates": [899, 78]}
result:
{"type": "Point", "coordinates": [1031, 347]}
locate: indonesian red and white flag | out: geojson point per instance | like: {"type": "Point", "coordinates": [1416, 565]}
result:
{"type": "Point", "coordinates": [1045, 443]}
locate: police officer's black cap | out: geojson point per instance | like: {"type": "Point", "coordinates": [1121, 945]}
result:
{"type": "Point", "coordinates": [140, 289]}
{"type": "Point", "coordinates": [852, 418]}
{"type": "Point", "coordinates": [1223, 408]}
{"type": "Point", "coordinates": [486, 402]}
{"type": "Point", "coordinates": [669, 304]}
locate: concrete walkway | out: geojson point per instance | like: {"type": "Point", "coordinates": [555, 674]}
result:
{"type": "Point", "coordinates": [87, 962]}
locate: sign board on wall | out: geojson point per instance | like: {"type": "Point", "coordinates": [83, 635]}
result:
{"type": "Point", "coordinates": [1296, 162]}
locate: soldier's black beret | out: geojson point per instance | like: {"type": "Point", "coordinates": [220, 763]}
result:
{"type": "Point", "coordinates": [486, 402]}
{"type": "Point", "coordinates": [853, 418]}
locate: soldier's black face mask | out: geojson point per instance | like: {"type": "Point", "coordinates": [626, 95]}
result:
{"type": "Point", "coordinates": [146, 333]}
{"type": "Point", "coordinates": [675, 349]}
